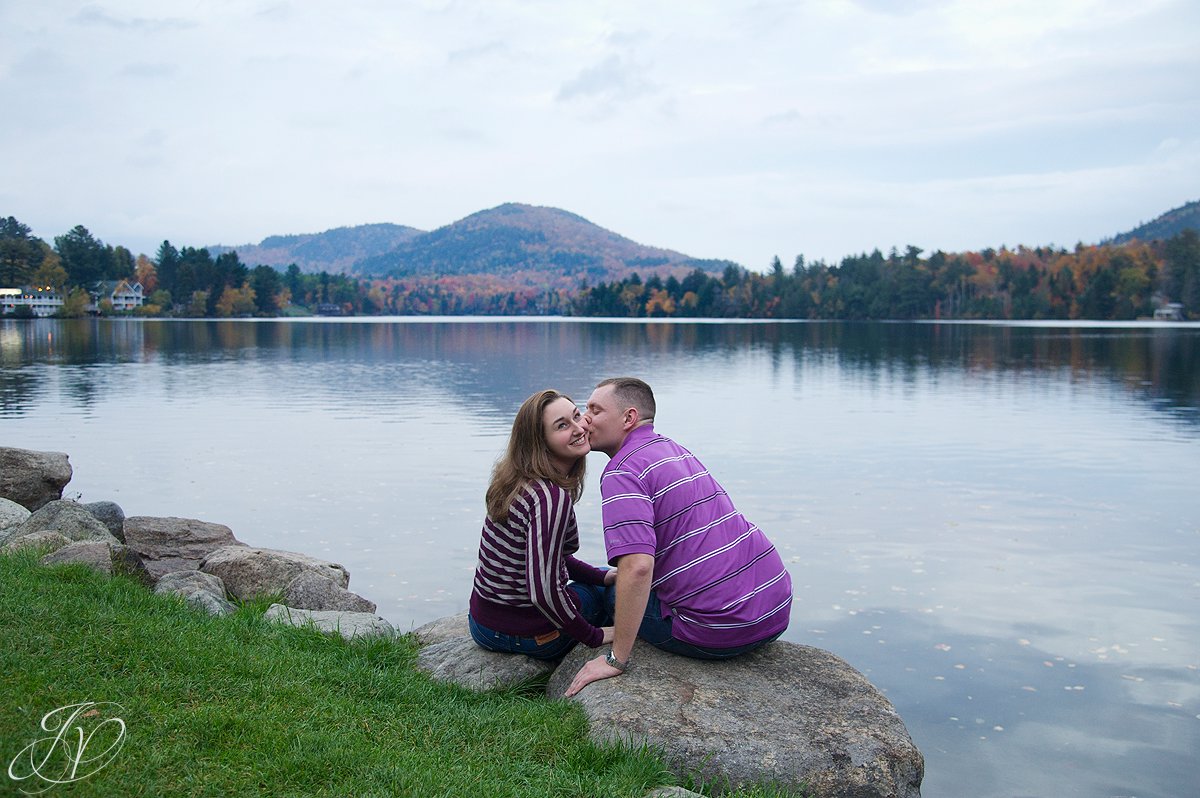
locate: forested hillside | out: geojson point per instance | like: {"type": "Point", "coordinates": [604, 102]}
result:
{"type": "Point", "coordinates": [336, 250]}
{"type": "Point", "coordinates": [589, 271]}
{"type": "Point", "coordinates": [531, 246]}
{"type": "Point", "coordinates": [1169, 225]}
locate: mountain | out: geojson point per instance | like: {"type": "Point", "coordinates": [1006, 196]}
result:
{"type": "Point", "coordinates": [333, 251]}
{"type": "Point", "coordinates": [528, 243]}
{"type": "Point", "coordinates": [1169, 225]}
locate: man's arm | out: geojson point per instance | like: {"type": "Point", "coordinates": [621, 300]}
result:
{"type": "Point", "coordinates": [634, 575]}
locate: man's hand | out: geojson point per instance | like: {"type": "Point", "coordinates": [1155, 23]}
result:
{"type": "Point", "coordinates": [610, 577]}
{"type": "Point", "coordinates": [592, 671]}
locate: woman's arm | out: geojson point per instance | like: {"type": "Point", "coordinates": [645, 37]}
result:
{"type": "Point", "coordinates": [549, 521]}
{"type": "Point", "coordinates": [581, 571]}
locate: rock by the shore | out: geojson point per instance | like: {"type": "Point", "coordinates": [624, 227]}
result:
{"type": "Point", "coordinates": [53, 541]}
{"type": "Point", "coordinates": [169, 544]}
{"type": "Point", "coordinates": [248, 572]}
{"type": "Point", "coordinates": [11, 514]}
{"type": "Point", "coordinates": [201, 590]}
{"type": "Point", "coordinates": [451, 627]}
{"type": "Point", "coordinates": [103, 556]}
{"type": "Point", "coordinates": [311, 590]}
{"type": "Point", "coordinates": [111, 515]}
{"type": "Point", "coordinates": [31, 479]}
{"type": "Point", "coordinates": [95, 554]}
{"type": "Point", "coordinates": [460, 661]}
{"type": "Point", "coordinates": [347, 624]}
{"type": "Point", "coordinates": [449, 654]}
{"type": "Point", "coordinates": [786, 714]}
{"type": "Point", "coordinates": [67, 518]}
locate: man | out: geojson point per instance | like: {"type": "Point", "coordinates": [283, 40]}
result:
{"type": "Point", "coordinates": [694, 577]}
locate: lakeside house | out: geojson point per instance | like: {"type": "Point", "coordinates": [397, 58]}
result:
{"type": "Point", "coordinates": [1171, 311]}
{"type": "Point", "coordinates": [124, 295]}
{"type": "Point", "coordinates": [43, 301]}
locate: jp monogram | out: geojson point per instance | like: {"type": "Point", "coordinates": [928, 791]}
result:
{"type": "Point", "coordinates": [83, 739]}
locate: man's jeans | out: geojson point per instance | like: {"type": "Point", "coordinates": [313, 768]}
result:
{"type": "Point", "coordinates": [594, 603]}
{"type": "Point", "coordinates": [656, 630]}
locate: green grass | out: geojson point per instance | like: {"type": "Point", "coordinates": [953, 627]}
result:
{"type": "Point", "coordinates": [239, 706]}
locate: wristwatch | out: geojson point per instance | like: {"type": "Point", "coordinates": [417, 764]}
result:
{"type": "Point", "coordinates": [613, 662]}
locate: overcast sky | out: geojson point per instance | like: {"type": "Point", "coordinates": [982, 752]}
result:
{"type": "Point", "coordinates": [719, 129]}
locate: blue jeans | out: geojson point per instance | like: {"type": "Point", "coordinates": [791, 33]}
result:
{"type": "Point", "coordinates": [595, 604]}
{"type": "Point", "coordinates": [656, 630]}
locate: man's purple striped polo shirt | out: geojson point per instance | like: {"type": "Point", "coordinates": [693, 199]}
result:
{"type": "Point", "coordinates": [715, 573]}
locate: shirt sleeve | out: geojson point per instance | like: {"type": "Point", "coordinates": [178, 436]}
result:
{"type": "Point", "coordinates": [586, 573]}
{"type": "Point", "coordinates": [551, 518]}
{"type": "Point", "coordinates": [628, 514]}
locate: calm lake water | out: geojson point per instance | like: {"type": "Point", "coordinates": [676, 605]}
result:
{"type": "Point", "coordinates": [998, 524]}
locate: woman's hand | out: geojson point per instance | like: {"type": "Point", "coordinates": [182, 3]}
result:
{"type": "Point", "coordinates": [610, 577]}
{"type": "Point", "coordinates": [609, 633]}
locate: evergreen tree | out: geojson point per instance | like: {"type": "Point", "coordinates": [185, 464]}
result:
{"type": "Point", "coordinates": [121, 264]}
{"type": "Point", "coordinates": [85, 258]}
{"type": "Point", "coordinates": [267, 285]}
{"type": "Point", "coordinates": [20, 253]}
{"type": "Point", "coordinates": [167, 266]}
{"type": "Point", "coordinates": [1182, 255]}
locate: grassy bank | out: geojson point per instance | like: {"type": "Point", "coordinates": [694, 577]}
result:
{"type": "Point", "coordinates": [237, 706]}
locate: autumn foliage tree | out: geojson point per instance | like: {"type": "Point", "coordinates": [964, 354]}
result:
{"type": "Point", "coordinates": [1106, 282]}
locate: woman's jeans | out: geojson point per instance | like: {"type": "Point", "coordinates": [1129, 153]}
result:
{"type": "Point", "coordinates": [595, 604]}
{"type": "Point", "coordinates": [656, 630]}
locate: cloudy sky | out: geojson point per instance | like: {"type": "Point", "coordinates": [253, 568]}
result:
{"type": "Point", "coordinates": [719, 129]}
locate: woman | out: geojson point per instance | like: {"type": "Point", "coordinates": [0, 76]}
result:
{"type": "Point", "coordinates": [522, 601]}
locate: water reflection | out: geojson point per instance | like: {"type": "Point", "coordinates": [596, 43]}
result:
{"type": "Point", "coordinates": [1157, 364]}
{"type": "Point", "coordinates": [998, 702]}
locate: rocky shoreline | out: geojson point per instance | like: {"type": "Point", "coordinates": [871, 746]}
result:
{"type": "Point", "coordinates": [790, 715]}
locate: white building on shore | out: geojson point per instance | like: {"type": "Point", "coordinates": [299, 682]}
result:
{"type": "Point", "coordinates": [43, 301]}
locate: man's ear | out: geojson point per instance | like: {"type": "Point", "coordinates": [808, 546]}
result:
{"type": "Point", "coordinates": [631, 419]}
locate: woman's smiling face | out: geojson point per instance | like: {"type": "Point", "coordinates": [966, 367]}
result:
{"type": "Point", "coordinates": [566, 433]}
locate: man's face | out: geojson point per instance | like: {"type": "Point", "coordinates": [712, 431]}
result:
{"type": "Point", "coordinates": [605, 420]}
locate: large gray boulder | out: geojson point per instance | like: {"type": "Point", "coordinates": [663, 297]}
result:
{"type": "Point", "coordinates": [248, 572]}
{"type": "Point", "coordinates": [32, 478]}
{"type": "Point", "coordinates": [103, 556]}
{"type": "Point", "coordinates": [787, 714]}
{"type": "Point", "coordinates": [448, 654]}
{"type": "Point", "coordinates": [51, 541]}
{"type": "Point", "coordinates": [67, 518]}
{"type": "Point", "coordinates": [311, 590]}
{"type": "Point", "coordinates": [347, 624]}
{"type": "Point", "coordinates": [111, 515]}
{"type": "Point", "coordinates": [460, 661]}
{"type": "Point", "coordinates": [451, 627]}
{"type": "Point", "coordinates": [11, 514]}
{"type": "Point", "coordinates": [203, 591]}
{"type": "Point", "coordinates": [175, 544]}
{"type": "Point", "coordinates": [95, 554]}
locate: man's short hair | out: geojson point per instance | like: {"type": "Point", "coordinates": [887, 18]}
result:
{"type": "Point", "coordinates": [632, 392]}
